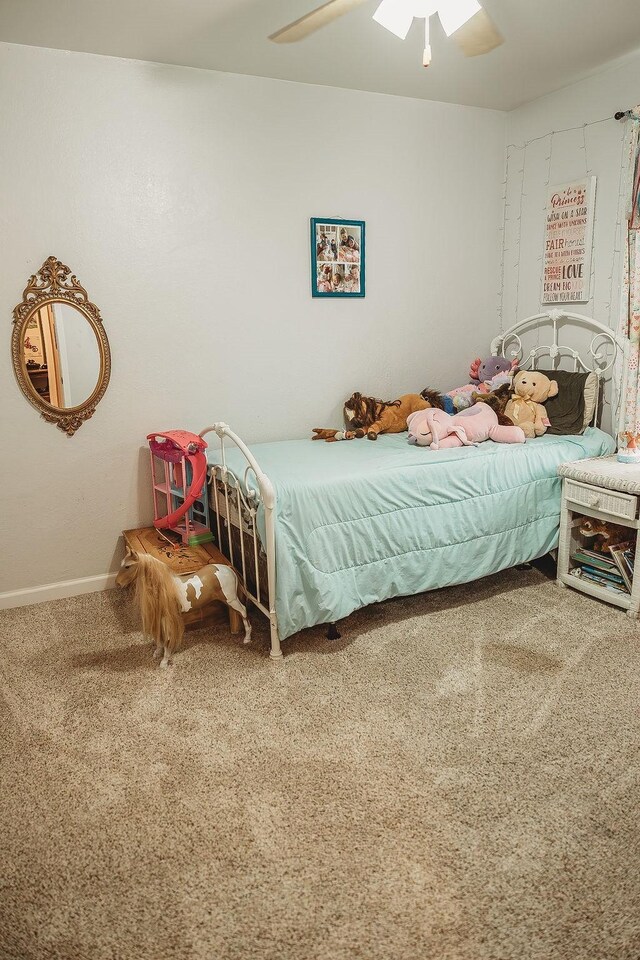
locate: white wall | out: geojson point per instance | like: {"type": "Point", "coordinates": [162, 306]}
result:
{"type": "Point", "coordinates": [79, 354]}
{"type": "Point", "coordinates": [181, 200]}
{"type": "Point", "coordinates": [552, 140]}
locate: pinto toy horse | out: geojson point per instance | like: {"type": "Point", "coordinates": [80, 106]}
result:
{"type": "Point", "coordinates": [162, 597]}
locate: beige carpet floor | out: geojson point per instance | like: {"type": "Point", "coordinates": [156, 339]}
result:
{"type": "Point", "coordinates": [456, 778]}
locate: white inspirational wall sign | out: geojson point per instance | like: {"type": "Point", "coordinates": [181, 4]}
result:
{"type": "Point", "coordinates": [568, 242]}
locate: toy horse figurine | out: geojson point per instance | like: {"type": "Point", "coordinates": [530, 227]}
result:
{"type": "Point", "coordinates": [163, 596]}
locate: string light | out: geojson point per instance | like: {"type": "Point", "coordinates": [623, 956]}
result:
{"type": "Point", "coordinates": [522, 194]}
{"type": "Point", "coordinates": [617, 235]}
{"type": "Point", "coordinates": [624, 188]}
{"type": "Point", "coordinates": [578, 126]}
{"type": "Point", "coordinates": [507, 204]}
{"type": "Point", "coordinates": [592, 269]}
{"type": "Point", "coordinates": [508, 201]}
{"type": "Point", "coordinates": [501, 233]}
{"type": "Point", "coordinates": [543, 218]}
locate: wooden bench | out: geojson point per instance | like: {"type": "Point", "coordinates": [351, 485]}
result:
{"type": "Point", "coordinates": [185, 560]}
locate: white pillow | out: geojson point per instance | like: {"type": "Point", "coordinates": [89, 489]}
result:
{"type": "Point", "coordinates": [591, 386]}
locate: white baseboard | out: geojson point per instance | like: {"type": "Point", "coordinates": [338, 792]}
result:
{"type": "Point", "coordinates": [56, 591]}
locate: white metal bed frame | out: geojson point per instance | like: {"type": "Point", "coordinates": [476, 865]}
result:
{"type": "Point", "coordinates": [236, 503]}
{"type": "Point", "coordinates": [605, 349]}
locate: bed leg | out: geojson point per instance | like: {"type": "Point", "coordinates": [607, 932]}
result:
{"type": "Point", "coordinates": [332, 632]}
{"type": "Point", "coordinates": [276, 652]}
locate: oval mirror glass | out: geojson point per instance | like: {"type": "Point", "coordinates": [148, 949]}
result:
{"type": "Point", "coordinates": [61, 355]}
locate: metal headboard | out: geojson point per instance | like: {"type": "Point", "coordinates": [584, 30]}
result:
{"type": "Point", "coordinates": [600, 355]}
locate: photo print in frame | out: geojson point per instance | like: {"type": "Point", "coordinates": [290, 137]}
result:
{"type": "Point", "coordinates": [337, 257]}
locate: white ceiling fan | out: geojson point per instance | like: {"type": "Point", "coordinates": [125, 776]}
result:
{"type": "Point", "coordinates": [464, 20]}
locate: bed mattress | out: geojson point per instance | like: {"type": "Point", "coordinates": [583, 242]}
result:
{"type": "Point", "coordinates": [358, 522]}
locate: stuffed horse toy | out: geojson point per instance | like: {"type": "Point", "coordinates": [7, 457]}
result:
{"type": "Point", "coordinates": [162, 597]}
{"type": "Point", "coordinates": [602, 533]}
{"type": "Point", "coordinates": [368, 417]}
{"type": "Point", "coordinates": [437, 429]}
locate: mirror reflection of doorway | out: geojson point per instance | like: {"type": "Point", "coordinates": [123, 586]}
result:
{"type": "Point", "coordinates": [42, 358]}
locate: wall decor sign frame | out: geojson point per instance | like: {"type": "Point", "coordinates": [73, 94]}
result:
{"type": "Point", "coordinates": [568, 242]}
{"type": "Point", "coordinates": [337, 257]}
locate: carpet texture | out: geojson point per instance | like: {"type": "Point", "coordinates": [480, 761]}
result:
{"type": "Point", "coordinates": [456, 779]}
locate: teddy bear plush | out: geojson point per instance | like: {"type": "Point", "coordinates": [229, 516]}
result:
{"type": "Point", "coordinates": [525, 408]}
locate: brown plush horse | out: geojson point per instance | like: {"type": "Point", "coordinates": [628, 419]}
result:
{"type": "Point", "coordinates": [162, 597]}
{"type": "Point", "coordinates": [497, 400]}
{"type": "Point", "coordinates": [368, 416]}
{"type": "Point", "coordinates": [603, 534]}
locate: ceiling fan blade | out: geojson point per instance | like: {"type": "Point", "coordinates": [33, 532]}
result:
{"type": "Point", "coordinates": [478, 35]}
{"type": "Point", "coordinates": [313, 21]}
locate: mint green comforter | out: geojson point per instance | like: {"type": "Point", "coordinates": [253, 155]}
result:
{"type": "Point", "coordinates": [358, 522]}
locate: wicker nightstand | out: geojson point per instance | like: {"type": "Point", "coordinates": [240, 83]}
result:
{"type": "Point", "coordinates": [603, 489]}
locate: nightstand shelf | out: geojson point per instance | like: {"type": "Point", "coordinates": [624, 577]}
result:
{"type": "Point", "coordinates": [599, 489]}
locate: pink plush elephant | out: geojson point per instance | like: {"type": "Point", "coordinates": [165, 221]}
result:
{"type": "Point", "coordinates": [436, 429]}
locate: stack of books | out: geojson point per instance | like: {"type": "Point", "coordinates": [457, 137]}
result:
{"type": "Point", "coordinates": [612, 569]}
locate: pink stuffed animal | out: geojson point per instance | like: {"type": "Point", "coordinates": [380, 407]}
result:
{"type": "Point", "coordinates": [436, 429]}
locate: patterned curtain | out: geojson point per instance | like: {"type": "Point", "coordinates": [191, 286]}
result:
{"type": "Point", "coordinates": [630, 293]}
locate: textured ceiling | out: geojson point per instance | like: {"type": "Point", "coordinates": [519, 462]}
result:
{"type": "Point", "coordinates": [549, 43]}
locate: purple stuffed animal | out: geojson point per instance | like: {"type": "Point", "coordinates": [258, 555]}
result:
{"type": "Point", "coordinates": [485, 376]}
{"type": "Point", "coordinates": [436, 429]}
{"type": "Point", "coordinates": [493, 370]}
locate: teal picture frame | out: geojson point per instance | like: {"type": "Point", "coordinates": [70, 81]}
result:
{"type": "Point", "coordinates": [337, 257]}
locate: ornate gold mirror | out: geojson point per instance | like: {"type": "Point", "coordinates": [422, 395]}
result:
{"type": "Point", "coordinates": [60, 351]}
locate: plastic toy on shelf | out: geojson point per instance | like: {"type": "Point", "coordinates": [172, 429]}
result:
{"type": "Point", "coordinates": [629, 448]}
{"type": "Point", "coordinates": [179, 474]}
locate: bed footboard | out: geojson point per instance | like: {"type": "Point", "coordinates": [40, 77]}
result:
{"type": "Point", "coordinates": [234, 501]}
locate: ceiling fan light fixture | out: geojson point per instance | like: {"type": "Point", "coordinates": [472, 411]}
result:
{"type": "Point", "coordinates": [455, 13]}
{"type": "Point", "coordinates": [396, 16]}
{"type": "Point", "coordinates": [471, 27]}
{"type": "Point", "coordinates": [426, 56]}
